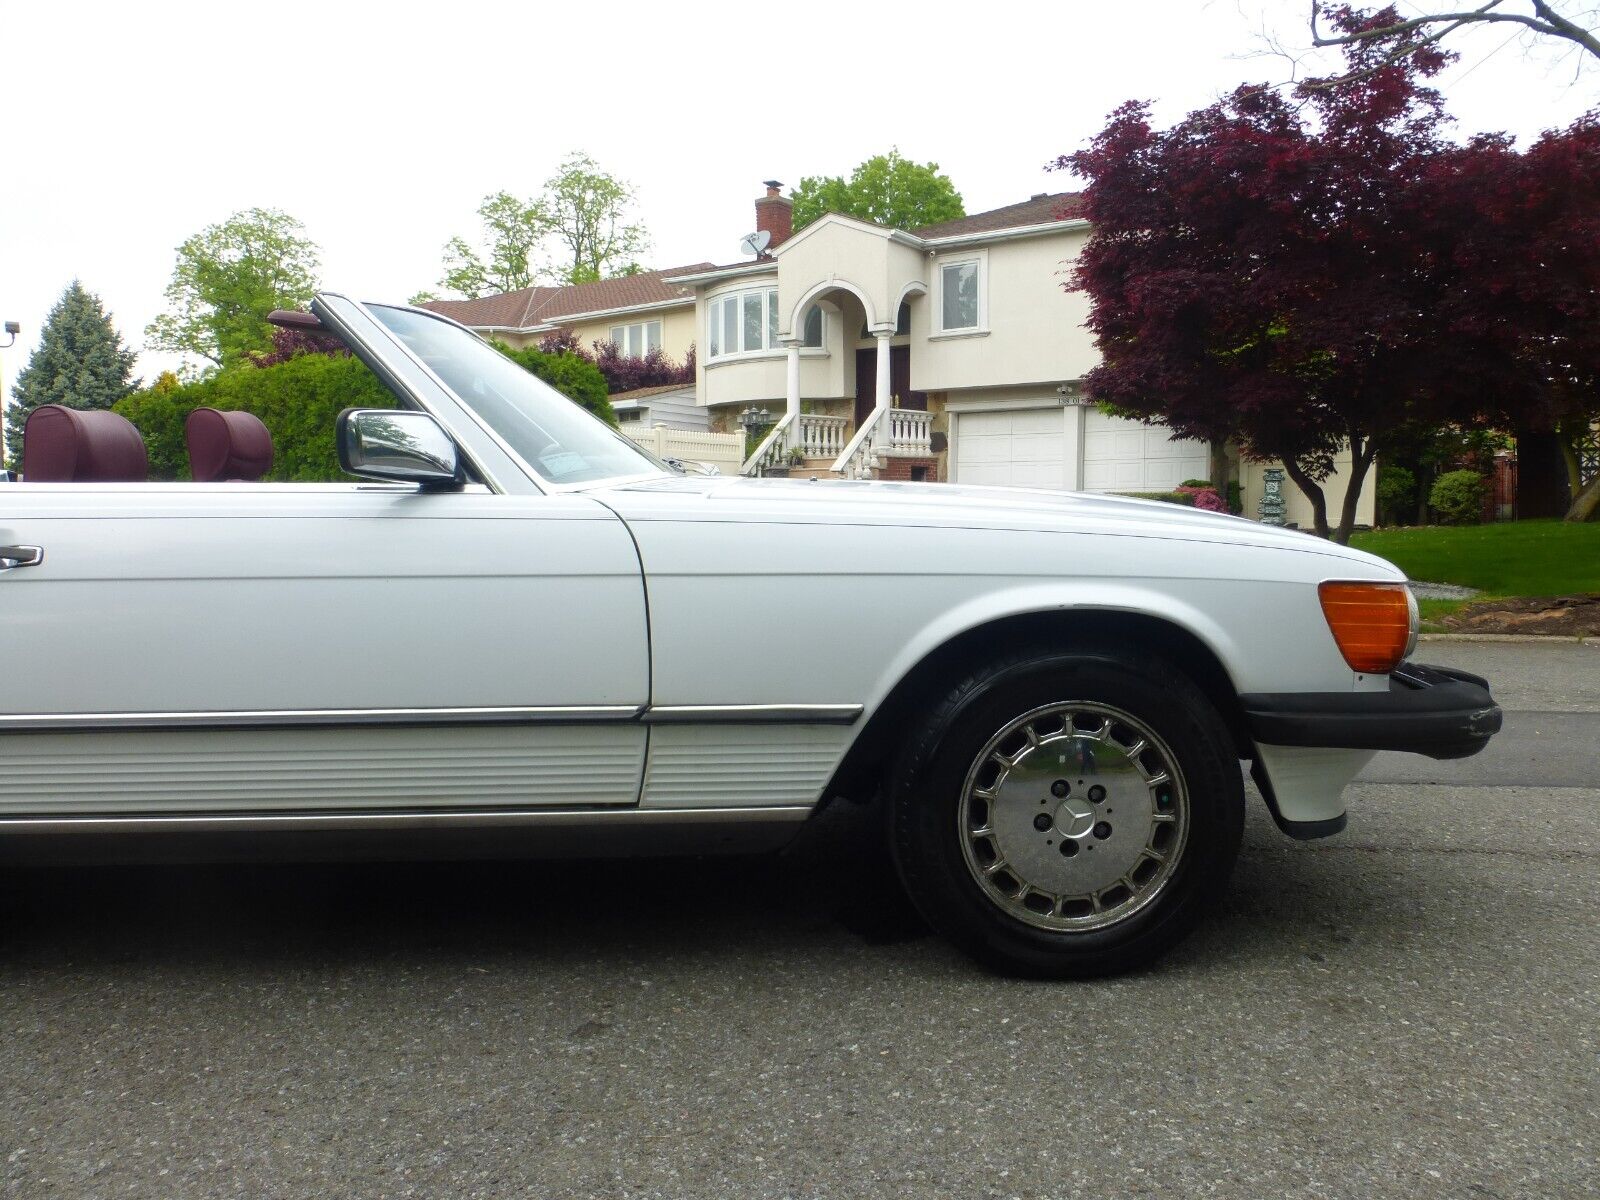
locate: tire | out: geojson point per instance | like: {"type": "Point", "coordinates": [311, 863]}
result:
{"type": "Point", "coordinates": [1003, 811]}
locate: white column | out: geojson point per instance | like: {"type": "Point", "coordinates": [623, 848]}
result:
{"type": "Point", "coordinates": [883, 368]}
{"type": "Point", "coordinates": [793, 393]}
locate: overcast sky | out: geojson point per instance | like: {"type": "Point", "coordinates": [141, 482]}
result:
{"type": "Point", "coordinates": [124, 128]}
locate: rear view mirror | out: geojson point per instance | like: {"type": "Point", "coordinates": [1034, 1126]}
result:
{"type": "Point", "coordinates": [398, 446]}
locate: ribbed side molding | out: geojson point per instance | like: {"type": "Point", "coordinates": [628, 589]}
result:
{"type": "Point", "coordinates": [374, 768]}
{"type": "Point", "coordinates": [706, 766]}
{"type": "Point", "coordinates": [299, 718]}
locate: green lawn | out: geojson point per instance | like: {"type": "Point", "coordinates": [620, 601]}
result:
{"type": "Point", "coordinates": [1515, 558]}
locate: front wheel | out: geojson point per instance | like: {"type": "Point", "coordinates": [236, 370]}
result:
{"type": "Point", "coordinates": [1068, 813]}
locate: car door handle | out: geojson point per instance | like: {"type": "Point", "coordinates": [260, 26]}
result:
{"type": "Point", "coordinates": [20, 556]}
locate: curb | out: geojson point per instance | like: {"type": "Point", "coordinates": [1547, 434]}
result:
{"type": "Point", "coordinates": [1511, 638]}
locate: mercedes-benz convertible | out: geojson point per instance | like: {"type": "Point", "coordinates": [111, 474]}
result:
{"type": "Point", "coordinates": [513, 620]}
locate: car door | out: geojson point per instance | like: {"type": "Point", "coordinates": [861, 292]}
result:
{"type": "Point", "coordinates": [353, 648]}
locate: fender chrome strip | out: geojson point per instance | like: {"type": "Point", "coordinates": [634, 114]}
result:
{"type": "Point", "coordinates": [423, 819]}
{"type": "Point", "coordinates": [290, 718]}
{"type": "Point", "coordinates": [724, 714]}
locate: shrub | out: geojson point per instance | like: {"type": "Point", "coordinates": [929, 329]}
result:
{"type": "Point", "coordinates": [1235, 498]}
{"type": "Point", "coordinates": [1178, 497]}
{"type": "Point", "coordinates": [1457, 497]}
{"type": "Point", "coordinates": [1196, 483]}
{"type": "Point", "coordinates": [1397, 495]}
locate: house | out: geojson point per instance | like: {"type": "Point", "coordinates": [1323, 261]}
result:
{"type": "Point", "coordinates": [637, 312]}
{"type": "Point", "coordinates": [945, 353]}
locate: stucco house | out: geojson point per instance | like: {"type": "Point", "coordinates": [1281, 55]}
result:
{"type": "Point", "coordinates": [949, 352]}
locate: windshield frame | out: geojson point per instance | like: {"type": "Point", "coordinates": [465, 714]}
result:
{"type": "Point", "coordinates": [542, 482]}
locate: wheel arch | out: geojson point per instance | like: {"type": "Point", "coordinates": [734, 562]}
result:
{"type": "Point", "coordinates": [864, 765]}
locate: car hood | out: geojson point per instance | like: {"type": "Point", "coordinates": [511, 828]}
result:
{"type": "Point", "coordinates": [881, 502]}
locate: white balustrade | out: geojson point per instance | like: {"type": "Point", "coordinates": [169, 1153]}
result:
{"type": "Point", "coordinates": [821, 436]}
{"type": "Point", "coordinates": [910, 432]}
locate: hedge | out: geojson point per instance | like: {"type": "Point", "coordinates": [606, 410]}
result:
{"type": "Point", "coordinates": [298, 401]}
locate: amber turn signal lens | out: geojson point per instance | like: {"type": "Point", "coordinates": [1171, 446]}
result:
{"type": "Point", "coordinates": [1371, 622]}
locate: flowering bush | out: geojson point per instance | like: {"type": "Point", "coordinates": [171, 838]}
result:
{"type": "Point", "coordinates": [1205, 498]}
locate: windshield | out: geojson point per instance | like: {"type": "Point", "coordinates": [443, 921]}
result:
{"type": "Point", "coordinates": [552, 434]}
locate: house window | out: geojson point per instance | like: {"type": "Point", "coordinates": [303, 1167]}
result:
{"type": "Point", "coordinates": [630, 414]}
{"type": "Point", "coordinates": [743, 323]}
{"type": "Point", "coordinates": [811, 328]}
{"type": "Point", "coordinates": [636, 341]}
{"type": "Point", "coordinates": [958, 294]}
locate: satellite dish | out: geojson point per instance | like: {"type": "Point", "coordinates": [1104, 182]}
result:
{"type": "Point", "coordinates": [755, 243]}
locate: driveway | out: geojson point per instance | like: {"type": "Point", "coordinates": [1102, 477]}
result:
{"type": "Point", "coordinates": [1407, 1009]}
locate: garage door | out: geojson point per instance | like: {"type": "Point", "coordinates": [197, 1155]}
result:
{"type": "Point", "coordinates": [1125, 456]}
{"type": "Point", "coordinates": [1022, 447]}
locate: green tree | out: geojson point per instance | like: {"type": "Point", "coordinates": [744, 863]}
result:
{"type": "Point", "coordinates": [588, 212]}
{"type": "Point", "coordinates": [512, 233]}
{"type": "Point", "coordinates": [887, 189]}
{"type": "Point", "coordinates": [578, 229]}
{"type": "Point", "coordinates": [227, 279]}
{"type": "Point", "coordinates": [80, 362]}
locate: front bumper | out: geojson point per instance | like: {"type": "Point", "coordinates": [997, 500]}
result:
{"type": "Point", "coordinates": [1436, 711]}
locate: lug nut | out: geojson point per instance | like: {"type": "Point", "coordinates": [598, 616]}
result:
{"type": "Point", "coordinates": [1042, 822]}
{"type": "Point", "coordinates": [1068, 848]}
{"type": "Point", "coordinates": [1102, 830]}
{"type": "Point", "coordinates": [1060, 788]}
{"type": "Point", "coordinates": [1096, 794]}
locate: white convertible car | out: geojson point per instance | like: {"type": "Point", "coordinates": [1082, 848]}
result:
{"type": "Point", "coordinates": [525, 624]}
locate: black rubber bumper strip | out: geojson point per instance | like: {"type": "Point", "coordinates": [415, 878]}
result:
{"type": "Point", "coordinates": [1436, 711]}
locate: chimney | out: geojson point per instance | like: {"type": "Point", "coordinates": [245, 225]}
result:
{"type": "Point", "coordinates": [775, 214]}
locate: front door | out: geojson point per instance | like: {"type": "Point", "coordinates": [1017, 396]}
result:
{"type": "Point", "coordinates": [899, 382]}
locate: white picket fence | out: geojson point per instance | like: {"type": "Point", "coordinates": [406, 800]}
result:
{"type": "Point", "coordinates": [725, 451]}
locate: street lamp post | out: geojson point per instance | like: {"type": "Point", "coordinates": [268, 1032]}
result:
{"type": "Point", "coordinates": [751, 420]}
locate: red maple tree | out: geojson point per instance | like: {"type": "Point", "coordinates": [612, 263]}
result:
{"type": "Point", "coordinates": [1307, 273]}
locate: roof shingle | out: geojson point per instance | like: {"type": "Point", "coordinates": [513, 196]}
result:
{"type": "Point", "coordinates": [1042, 209]}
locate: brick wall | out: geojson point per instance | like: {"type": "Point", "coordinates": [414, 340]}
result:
{"type": "Point", "coordinates": [905, 469]}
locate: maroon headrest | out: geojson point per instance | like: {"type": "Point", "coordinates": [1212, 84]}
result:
{"type": "Point", "coordinates": [69, 445]}
{"type": "Point", "coordinates": [227, 445]}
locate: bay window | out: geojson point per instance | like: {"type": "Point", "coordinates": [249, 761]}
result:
{"type": "Point", "coordinates": [742, 323]}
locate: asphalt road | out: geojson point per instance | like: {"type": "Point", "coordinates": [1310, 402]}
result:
{"type": "Point", "coordinates": [1408, 1009]}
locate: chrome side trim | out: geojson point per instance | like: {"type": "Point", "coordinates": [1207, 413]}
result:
{"type": "Point", "coordinates": [297, 718]}
{"type": "Point", "coordinates": [636, 818]}
{"type": "Point", "coordinates": [722, 714]}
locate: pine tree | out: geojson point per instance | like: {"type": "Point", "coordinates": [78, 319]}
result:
{"type": "Point", "coordinates": [80, 362]}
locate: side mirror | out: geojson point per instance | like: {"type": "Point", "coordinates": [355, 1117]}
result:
{"type": "Point", "coordinates": [399, 446]}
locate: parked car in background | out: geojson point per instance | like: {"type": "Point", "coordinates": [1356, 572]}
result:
{"type": "Point", "coordinates": [515, 621]}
